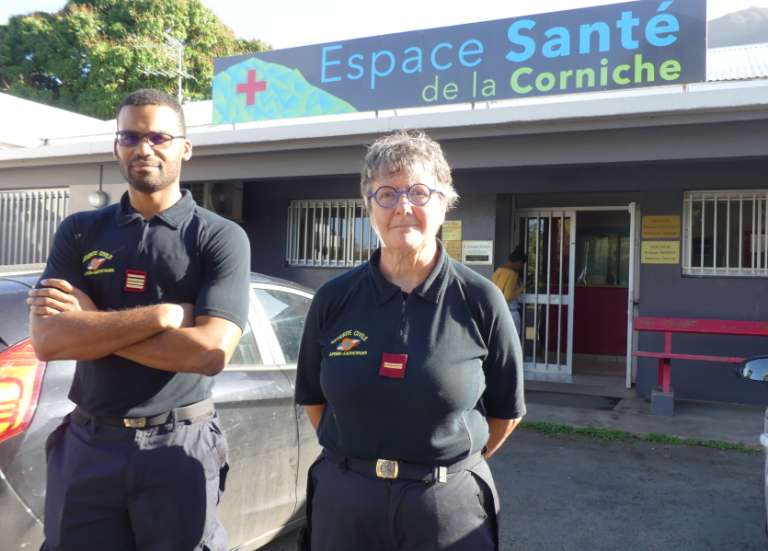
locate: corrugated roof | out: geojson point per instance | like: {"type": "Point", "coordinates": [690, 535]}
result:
{"type": "Point", "coordinates": [745, 62]}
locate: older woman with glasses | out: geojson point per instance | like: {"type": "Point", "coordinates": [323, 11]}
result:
{"type": "Point", "coordinates": [410, 369]}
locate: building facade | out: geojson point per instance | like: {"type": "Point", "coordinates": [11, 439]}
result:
{"type": "Point", "coordinates": [646, 202]}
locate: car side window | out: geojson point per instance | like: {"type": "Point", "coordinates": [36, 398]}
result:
{"type": "Point", "coordinates": [286, 312]}
{"type": "Point", "coordinates": [246, 353]}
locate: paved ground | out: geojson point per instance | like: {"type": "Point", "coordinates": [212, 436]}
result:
{"type": "Point", "coordinates": [563, 493]}
{"type": "Point", "coordinates": [571, 493]}
{"type": "Point", "coordinates": [576, 493]}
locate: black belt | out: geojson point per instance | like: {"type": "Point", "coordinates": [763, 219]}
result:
{"type": "Point", "coordinates": [193, 412]}
{"type": "Point", "coordinates": [390, 469]}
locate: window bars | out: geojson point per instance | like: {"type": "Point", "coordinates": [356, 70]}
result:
{"type": "Point", "coordinates": [725, 233]}
{"type": "Point", "coordinates": [28, 221]}
{"type": "Point", "coordinates": [333, 233]}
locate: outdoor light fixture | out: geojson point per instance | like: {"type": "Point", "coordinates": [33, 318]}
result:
{"type": "Point", "coordinates": [98, 199]}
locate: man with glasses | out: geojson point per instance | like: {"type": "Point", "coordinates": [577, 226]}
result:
{"type": "Point", "coordinates": [150, 296]}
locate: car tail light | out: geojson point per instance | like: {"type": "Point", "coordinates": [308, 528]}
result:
{"type": "Point", "coordinates": [21, 375]}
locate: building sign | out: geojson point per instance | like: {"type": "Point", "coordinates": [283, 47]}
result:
{"type": "Point", "coordinates": [453, 248]}
{"type": "Point", "coordinates": [477, 252]}
{"type": "Point", "coordinates": [452, 230]}
{"type": "Point", "coordinates": [660, 252]}
{"type": "Point", "coordinates": [661, 227]}
{"type": "Point", "coordinates": [451, 236]}
{"type": "Point", "coordinates": [629, 45]}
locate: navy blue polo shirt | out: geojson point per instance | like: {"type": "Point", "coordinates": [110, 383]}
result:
{"type": "Point", "coordinates": [464, 363]}
{"type": "Point", "coordinates": [121, 260]}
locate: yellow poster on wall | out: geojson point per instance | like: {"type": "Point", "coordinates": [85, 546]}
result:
{"type": "Point", "coordinates": [452, 230]}
{"type": "Point", "coordinates": [660, 252]}
{"type": "Point", "coordinates": [453, 248]}
{"type": "Point", "coordinates": [661, 227]}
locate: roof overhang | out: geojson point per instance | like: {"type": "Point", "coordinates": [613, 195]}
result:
{"type": "Point", "coordinates": [709, 102]}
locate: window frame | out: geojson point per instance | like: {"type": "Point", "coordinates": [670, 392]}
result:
{"type": "Point", "coordinates": [300, 208]}
{"type": "Point", "coordinates": [29, 219]}
{"type": "Point", "coordinates": [759, 227]}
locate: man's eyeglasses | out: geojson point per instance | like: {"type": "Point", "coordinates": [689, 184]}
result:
{"type": "Point", "coordinates": [418, 194]}
{"type": "Point", "coordinates": [156, 140]}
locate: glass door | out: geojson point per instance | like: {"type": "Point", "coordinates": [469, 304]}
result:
{"type": "Point", "coordinates": [548, 286]}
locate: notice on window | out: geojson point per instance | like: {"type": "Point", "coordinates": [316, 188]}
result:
{"type": "Point", "coordinates": [660, 252]}
{"type": "Point", "coordinates": [452, 230]}
{"type": "Point", "coordinates": [477, 252]}
{"type": "Point", "coordinates": [661, 227]}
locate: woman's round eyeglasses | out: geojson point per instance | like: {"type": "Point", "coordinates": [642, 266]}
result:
{"type": "Point", "coordinates": [418, 194]}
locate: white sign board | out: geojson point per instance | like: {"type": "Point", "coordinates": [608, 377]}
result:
{"type": "Point", "coordinates": [477, 252]}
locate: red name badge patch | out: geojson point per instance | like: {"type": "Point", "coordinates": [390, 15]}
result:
{"type": "Point", "coordinates": [393, 365]}
{"type": "Point", "coordinates": [135, 281]}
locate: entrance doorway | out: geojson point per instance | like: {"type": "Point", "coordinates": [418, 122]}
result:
{"type": "Point", "coordinates": [578, 293]}
{"type": "Point", "coordinates": [600, 323]}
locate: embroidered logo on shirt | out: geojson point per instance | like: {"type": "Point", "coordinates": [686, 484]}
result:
{"type": "Point", "coordinates": [95, 263]}
{"type": "Point", "coordinates": [135, 281]}
{"type": "Point", "coordinates": [347, 343]}
{"type": "Point", "coordinates": [95, 260]}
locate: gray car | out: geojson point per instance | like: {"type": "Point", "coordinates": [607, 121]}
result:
{"type": "Point", "coordinates": [271, 441]}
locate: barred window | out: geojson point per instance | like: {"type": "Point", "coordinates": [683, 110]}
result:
{"type": "Point", "coordinates": [332, 233]}
{"type": "Point", "coordinates": [725, 233]}
{"type": "Point", "coordinates": [28, 220]}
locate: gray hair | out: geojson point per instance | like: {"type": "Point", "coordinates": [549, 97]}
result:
{"type": "Point", "coordinates": [409, 152]}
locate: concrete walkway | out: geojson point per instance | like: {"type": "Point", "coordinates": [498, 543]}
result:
{"type": "Point", "coordinates": [723, 422]}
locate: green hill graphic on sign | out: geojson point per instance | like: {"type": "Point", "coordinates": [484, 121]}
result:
{"type": "Point", "coordinates": [276, 92]}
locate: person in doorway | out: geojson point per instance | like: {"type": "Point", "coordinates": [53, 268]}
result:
{"type": "Point", "coordinates": [507, 279]}
{"type": "Point", "coordinates": [150, 296]}
{"type": "Point", "coordinates": [411, 372]}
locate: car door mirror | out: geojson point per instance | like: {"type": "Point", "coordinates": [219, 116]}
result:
{"type": "Point", "coordinates": [755, 369]}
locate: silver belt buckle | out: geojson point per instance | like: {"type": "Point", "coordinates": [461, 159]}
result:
{"type": "Point", "coordinates": [134, 422]}
{"type": "Point", "coordinates": [387, 468]}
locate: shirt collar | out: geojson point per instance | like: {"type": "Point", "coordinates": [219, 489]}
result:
{"type": "Point", "coordinates": [431, 289]}
{"type": "Point", "coordinates": [173, 216]}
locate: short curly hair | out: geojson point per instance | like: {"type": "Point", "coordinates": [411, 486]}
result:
{"type": "Point", "coordinates": [411, 152]}
{"type": "Point", "coordinates": [152, 96]}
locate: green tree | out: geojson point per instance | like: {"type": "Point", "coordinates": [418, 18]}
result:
{"type": "Point", "coordinates": [90, 54]}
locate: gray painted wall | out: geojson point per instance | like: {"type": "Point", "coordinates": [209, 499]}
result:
{"type": "Point", "coordinates": [487, 202]}
{"type": "Point", "coordinates": [265, 213]}
{"type": "Point", "coordinates": [590, 167]}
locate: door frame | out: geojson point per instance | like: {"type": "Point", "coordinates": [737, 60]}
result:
{"type": "Point", "coordinates": [633, 279]}
{"type": "Point", "coordinates": [558, 299]}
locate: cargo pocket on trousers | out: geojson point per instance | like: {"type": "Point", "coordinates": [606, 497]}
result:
{"type": "Point", "coordinates": [489, 498]}
{"type": "Point", "coordinates": [303, 542]}
{"type": "Point", "coordinates": [55, 437]}
{"type": "Point", "coordinates": [221, 449]}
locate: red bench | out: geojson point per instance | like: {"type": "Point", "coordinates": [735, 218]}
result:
{"type": "Point", "coordinates": [668, 326]}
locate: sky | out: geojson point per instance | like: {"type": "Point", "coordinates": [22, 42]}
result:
{"type": "Point", "coordinates": [290, 23]}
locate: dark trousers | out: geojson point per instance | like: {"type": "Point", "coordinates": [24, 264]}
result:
{"type": "Point", "coordinates": [153, 489]}
{"type": "Point", "coordinates": [353, 512]}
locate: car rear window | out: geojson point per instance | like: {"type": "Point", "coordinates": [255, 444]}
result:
{"type": "Point", "coordinates": [286, 312]}
{"type": "Point", "coordinates": [14, 315]}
